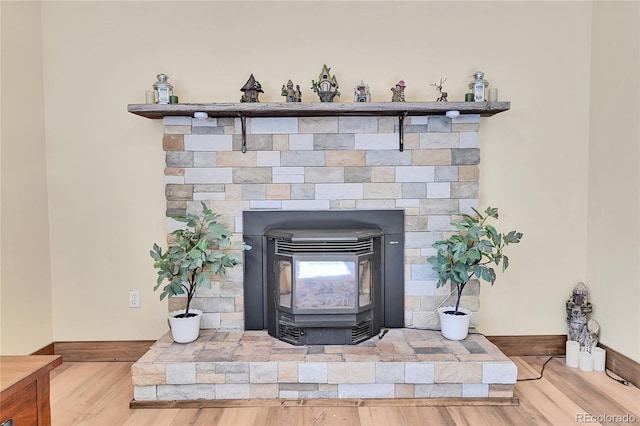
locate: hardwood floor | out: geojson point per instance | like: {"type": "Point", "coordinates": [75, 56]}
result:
{"type": "Point", "coordinates": [98, 393]}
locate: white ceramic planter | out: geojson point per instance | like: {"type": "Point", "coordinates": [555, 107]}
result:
{"type": "Point", "coordinates": [454, 327]}
{"type": "Point", "coordinates": [185, 330]}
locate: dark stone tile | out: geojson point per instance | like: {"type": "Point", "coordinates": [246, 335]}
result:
{"type": "Point", "coordinates": [432, 350]}
{"type": "Point", "coordinates": [473, 347]}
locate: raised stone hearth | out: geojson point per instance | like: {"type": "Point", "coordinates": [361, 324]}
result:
{"type": "Point", "coordinates": [405, 363]}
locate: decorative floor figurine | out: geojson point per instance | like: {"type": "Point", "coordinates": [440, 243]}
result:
{"type": "Point", "coordinates": [398, 92]}
{"type": "Point", "coordinates": [327, 85]}
{"type": "Point", "coordinates": [251, 89]}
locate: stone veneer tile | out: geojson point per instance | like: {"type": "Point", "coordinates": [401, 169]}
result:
{"type": "Point", "coordinates": [205, 159]}
{"type": "Point", "coordinates": [264, 391]}
{"type": "Point", "coordinates": [186, 392]}
{"type": "Point", "coordinates": [204, 122]}
{"type": "Point", "coordinates": [281, 142]}
{"type": "Point", "coordinates": [446, 173]}
{"type": "Point", "coordinates": [288, 174]}
{"type": "Point", "coordinates": [179, 159]}
{"type": "Point", "coordinates": [415, 223]}
{"type": "Point", "coordinates": [254, 191]}
{"type": "Point", "coordinates": [418, 372]}
{"type": "Point", "coordinates": [466, 118]}
{"type": "Point", "coordinates": [439, 390]}
{"type": "Point", "coordinates": [411, 141]}
{"type": "Point", "coordinates": [439, 123]}
{"type": "Point", "coordinates": [464, 189]}
{"type": "Point", "coordinates": [475, 390]}
{"type": "Point", "coordinates": [178, 192]}
{"type": "Point", "coordinates": [469, 140]}
{"type": "Point", "coordinates": [173, 142]}
{"type": "Point", "coordinates": [388, 158]}
{"type": "Point", "coordinates": [233, 391]}
{"type": "Point", "coordinates": [254, 142]}
{"type": "Point", "coordinates": [454, 372]}
{"type": "Point", "coordinates": [390, 372]}
{"type": "Point", "coordinates": [439, 189]}
{"type": "Point", "coordinates": [465, 156]}
{"type": "Point", "coordinates": [268, 158]}
{"type": "Point", "coordinates": [273, 125]}
{"type": "Point", "coordinates": [305, 204]}
{"type": "Point", "coordinates": [357, 124]}
{"type": "Point", "coordinates": [500, 391]}
{"type": "Point", "coordinates": [466, 204]}
{"type": "Point", "coordinates": [431, 157]}
{"type": "Point", "coordinates": [148, 374]}
{"type": "Point", "coordinates": [404, 390]}
{"type": "Point", "coordinates": [208, 143]}
{"type": "Point", "coordinates": [324, 174]}
{"type": "Point", "coordinates": [415, 174]}
{"type": "Point", "coordinates": [174, 120]}
{"type": "Point", "coordinates": [439, 140]}
{"type": "Point", "coordinates": [383, 174]}
{"type": "Point", "coordinates": [144, 393]}
{"type": "Point", "coordinates": [419, 288]}
{"type": "Point", "coordinates": [344, 158]}
{"type": "Point", "coordinates": [302, 158]}
{"type": "Point", "coordinates": [376, 141]}
{"type": "Point", "coordinates": [252, 174]}
{"type": "Point", "coordinates": [499, 372]}
{"type": "Point", "coordinates": [438, 206]}
{"type": "Point", "coordinates": [181, 373]}
{"type": "Point", "coordinates": [382, 191]}
{"type": "Point", "coordinates": [351, 372]}
{"type": "Point", "coordinates": [312, 372]}
{"type": "Point", "coordinates": [376, 390]}
{"type": "Point", "coordinates": [469, 173]}
{"type": "Point", "coordinates": [318, 124]}
{"type": "Point", "coordinates": [333, 141]}
{"type": "Point", "coordinates": [278, 191]}
{"type": "Point", "coordinates": [287, 372]}
{"type": "Point", "coordinates": [341, 191]}
{"type": "Point", "coordinates": [237, 159]}
{"type": "Point", "coordinates": [177, 130]}
{"type": "Point", "coordinates": [263, 372]}
{"type": "Point", "coordinates": [208, 175]}
{"type": "Point", "coordinates": [300, 142]}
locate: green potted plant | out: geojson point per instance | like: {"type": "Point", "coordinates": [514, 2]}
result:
{"type": "Point", "coordinates": [202, 248]}
{"type": "Point", "coordinates": [471, 252]}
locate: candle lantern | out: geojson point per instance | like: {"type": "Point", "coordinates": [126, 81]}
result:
{"type": "Point", "coordinates": [163, 89]}
{"type": "Point", "coordinates": [478, 86]}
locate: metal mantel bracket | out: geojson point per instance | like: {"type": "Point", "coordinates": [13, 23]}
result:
{"type": "Point", "coordinates": [243, 121]}
{"type": "Point", "coordinates": [401, 130]}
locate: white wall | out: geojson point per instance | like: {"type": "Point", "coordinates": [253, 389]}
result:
{"type": "Point", "coordinates": [25, 273]}
{"type": "Point", "coordinates": [105, 166]}
{"type": "Point", "coordinates": [613, 259]}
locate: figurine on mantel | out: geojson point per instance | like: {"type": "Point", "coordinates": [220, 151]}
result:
{"type": "Point", "coordinates": [292, 95]}
{"type": "Point", "coordinates": [398, 92]}
{"type": "Point", "coordinates": [579, 328]}
{"type": "Point", "coordinates": [251, 89]}
{"type": "Point", "coordinates": [443, 95]}
{"type": "Point", "coordinates": [327, 85]}
{"type": "Point", "coordinates": [361, 93]}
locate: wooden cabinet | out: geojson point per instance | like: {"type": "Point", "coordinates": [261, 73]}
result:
{"type": "Point", "coordinates": [24, 389]}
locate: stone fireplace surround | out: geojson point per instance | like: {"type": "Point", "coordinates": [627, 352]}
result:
{"type": "Point", "coordinates": [313, 163]}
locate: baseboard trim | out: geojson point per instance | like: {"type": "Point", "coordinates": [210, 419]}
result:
{"type": "Point", "coordinates": [100, 351]}
{"type": "Point", "coordinates": [526, 345]}
{"type": "Point", "coordinates": [326, 402]}
{"type": "Point", "coordinates": [622, 365]}
{"type": "Point", "coordinates": [46, 350]}
{"type": "Point", "coordinates": [548, 345]}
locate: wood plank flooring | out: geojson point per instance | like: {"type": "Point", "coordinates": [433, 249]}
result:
{"type": "Point", "coordinates": [98, 393]}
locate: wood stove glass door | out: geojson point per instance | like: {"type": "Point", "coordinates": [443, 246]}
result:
{"type": "Point", "coordinates": [324, 282]}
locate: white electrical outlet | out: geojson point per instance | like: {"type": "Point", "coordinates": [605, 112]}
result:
{"type": "Point", "coordinates": [134, 299]}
